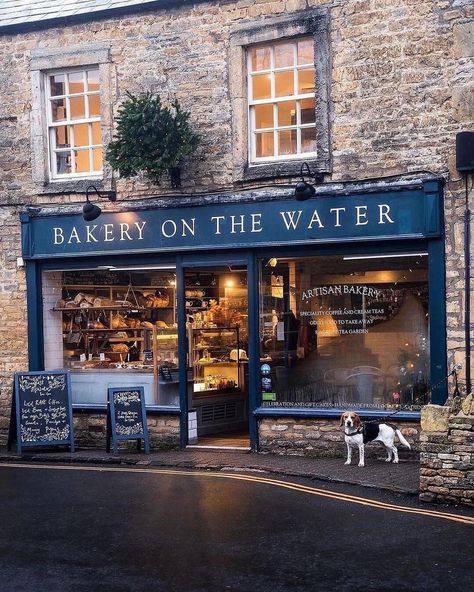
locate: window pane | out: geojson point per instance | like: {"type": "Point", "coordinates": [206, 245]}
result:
{"type": "Point", "coordinates": [284, 55]}
{"type": "Point", "coordinates": [58, 109]}
{"type": "Point", "coordinates": [260, 58]}
{"type": "Point", "coordinates": [81, 134]}
{"type": "Point", "coordinates": [287, 142]}
{"type": "Point", "coordinates": [287, 113]}
{"type": "Point", "coordinates": [82, 161]}
{"type": "Point", "coordinates": [57, 85]}
{"type": "Point", "coordinates": [76, 105]}
{"type": "Point", "coordinates": [94, 105]}
{"type": "Point", "coordinates": [61, 136]}
{"type": "Point", "coordinates": [342, 333]}
{"type": "Point", "coordinates": [263, 116]}
{"type": "Point", "coordinates": [306, 51]}
{"type": "Point", "coordinates": [97, 159]}
{"type": "Point", "coordinates": [264, 144]}
{"type": "Point", "coordinates": [63, 163]}
{"type": "Point", "coordinates": [308, 139]}
{"type": "Point", "coordinates": [284, 84]}
{"type": "Point", "coordinates": [307, 111]}
{"type": "Point", "coordinates": [261, 86]}
{"type": "Point", "coordinates": [306, 80]}
{"type": "Point", "coordinates": [96, 133]}
{"type": "Point", "coordinates": [92, 80]}
{"type": "Point", "coordinates": [76, 82]}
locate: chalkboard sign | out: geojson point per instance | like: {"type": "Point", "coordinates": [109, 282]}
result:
{"type": "Point", "coordinates": [41, 412]}
{"type": "Point", "coordinates": [165, 373]}
{"type": "Point", "coordinates": [126, 417]}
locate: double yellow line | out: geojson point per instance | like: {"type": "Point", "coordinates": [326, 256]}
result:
{"type": "Point", "coordinates": [342, 497]}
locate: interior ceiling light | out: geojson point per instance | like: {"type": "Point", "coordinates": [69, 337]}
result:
{"type": "Point", "coordinates": [389, 256]}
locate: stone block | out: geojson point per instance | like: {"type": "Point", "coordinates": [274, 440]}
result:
{"type": "Point", "coordinates": [463, 37]}
{"type": "Point", "coordinates": [463, 102]}
{"type": "Point", "coordinates": [434, 418]}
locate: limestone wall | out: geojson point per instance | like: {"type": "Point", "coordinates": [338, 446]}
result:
{"type": "Point", "coordinates": [323, 438]}
{"type": "Point", "coordinates": [90, 431]}
{"type": "Point", "coordinates": [447, 454]}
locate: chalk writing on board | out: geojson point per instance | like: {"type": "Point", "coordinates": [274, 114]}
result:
{"type": "Point", "coordinates": [128, 415]}
{"type": "Point", "coordinates": [42, 384]}
{"type": "Point", "coordinates": [126, 397]}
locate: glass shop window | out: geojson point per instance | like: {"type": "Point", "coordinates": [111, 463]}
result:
{"type": "Point", "coordinates": [74, 123]}
{"type": "Point", "coordinates": [281, 90]}
{"type": "Point", "coordinates": [345, 331]}
{"type": "Point", "coordinates": [113, 328]}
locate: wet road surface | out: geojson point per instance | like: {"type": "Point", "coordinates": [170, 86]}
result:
{"type": "Point", "coordinates": [127, 530]}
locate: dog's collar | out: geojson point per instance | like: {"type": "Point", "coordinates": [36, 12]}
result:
{"type": "Point", "coordinates": [358, 431]}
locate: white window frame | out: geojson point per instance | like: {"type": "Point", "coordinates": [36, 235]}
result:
{"type": "Point", "coordinates": [273, 100]}
{"type": "Point", "coordinates": [68, 122]}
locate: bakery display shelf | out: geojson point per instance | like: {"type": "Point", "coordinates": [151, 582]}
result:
{"type": "Point", "coordinates": [112, 330]}
{"type": "Point", "coordinates": [115, 287]}
{"type": "Point", "coordinates": [236, 390]}
{"type": "Point", "coordinates": [123, 339]}
{"type": "Point", "coordinates": [210, 346]}
{"type": "Point", "coordinates": [97, 308]}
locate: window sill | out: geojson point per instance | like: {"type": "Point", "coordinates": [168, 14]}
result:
{"type": "Point", "coordinates": [154, 409]}
{"type": "Point", "coordinates": [283, 168]}
{"type": "Point", "coordinates": [335, 413]}
{"type": "Point", "coordinates": [72, 185]}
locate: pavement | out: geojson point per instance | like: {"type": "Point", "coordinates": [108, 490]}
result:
{"type": "Point", "coordinates": [377, 474]}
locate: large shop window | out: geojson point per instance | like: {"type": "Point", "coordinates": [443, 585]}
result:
{"type": "Point", "coordinates": [346, 331]}
{"type": "Point", "coordinates": [113, 329]}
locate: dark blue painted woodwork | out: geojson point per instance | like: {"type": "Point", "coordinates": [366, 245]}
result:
{"type": "Point", "coordinates": [418, 226]}
{"type": "Point", "coordinates": [373, 216]}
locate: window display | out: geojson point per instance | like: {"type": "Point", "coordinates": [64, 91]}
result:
{"type": "Point", "coordinates": [110, 323]}
{"type": "Point", "coordinates": [346, 331]}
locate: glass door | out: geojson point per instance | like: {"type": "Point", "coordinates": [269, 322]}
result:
{"type": "Point", "coordinates": [216, 308]}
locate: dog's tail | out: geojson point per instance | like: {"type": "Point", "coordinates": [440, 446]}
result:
{"type": "Point", "coordinates": [402, 439]}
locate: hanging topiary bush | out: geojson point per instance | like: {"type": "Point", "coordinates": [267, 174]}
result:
{"type": "Point", "coordinates": [151, 138]}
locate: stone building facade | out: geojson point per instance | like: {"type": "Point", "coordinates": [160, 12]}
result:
{"type": "Point", "coordinates": [396, 83]}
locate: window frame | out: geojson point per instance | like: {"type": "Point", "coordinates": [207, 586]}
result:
{"type": "Point", "coordinates": [45, 61]}
{"type": "Point", "coordinates": [274, 100]}
{"type": "Point", "coordinates": [68, 122]}
{"type": "Point", "coordinates": [310, 23]}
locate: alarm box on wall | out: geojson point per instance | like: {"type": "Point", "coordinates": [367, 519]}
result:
{"type": "Point", "coordinates": [465, 152]}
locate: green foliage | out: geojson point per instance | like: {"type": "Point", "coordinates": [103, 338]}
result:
{"type": "Point", "coordinates": [150, 137]}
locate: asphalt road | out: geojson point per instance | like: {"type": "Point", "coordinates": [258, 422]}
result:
{"type": "Point", "coordinates": [108, 529]}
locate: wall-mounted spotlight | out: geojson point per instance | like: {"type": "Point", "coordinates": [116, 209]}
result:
{"type": "Point", "coordinates": [304, 190]}
{"type": "Point", "coordinates": [90, 211]}
{"type": "Point", "coordinates": [272, 262]}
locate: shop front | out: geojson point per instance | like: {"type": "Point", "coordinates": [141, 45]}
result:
{"type": "Point", "coordinates": [241, 318]}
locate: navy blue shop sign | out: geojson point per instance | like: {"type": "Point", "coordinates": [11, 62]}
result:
{"type": "Point", "coordinates": [406, 213]}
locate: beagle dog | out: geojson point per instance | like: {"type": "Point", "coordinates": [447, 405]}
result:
{"type": "Point", "coordinates": [357, 433]}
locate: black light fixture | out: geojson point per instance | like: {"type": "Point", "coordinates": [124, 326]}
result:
{"type": "Point", "coordinates": [90, 211]}
{"type": "Point", "coordinates": [304, 190]}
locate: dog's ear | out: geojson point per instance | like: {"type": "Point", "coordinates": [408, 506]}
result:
{"type": "Point", "coordinates": [356, 420]}
{"type": "Point", "coordinates": [342, 419]}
